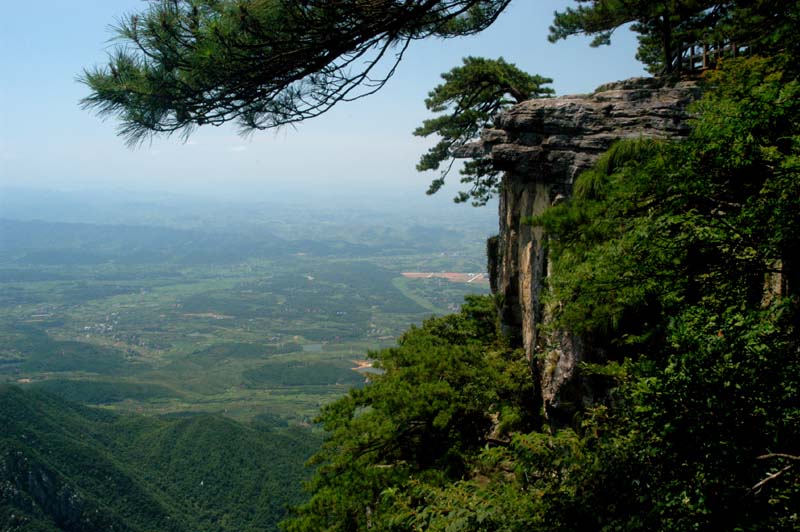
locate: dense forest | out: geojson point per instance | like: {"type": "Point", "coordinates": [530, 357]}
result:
{"type": "Point", "coordinates": [73, 468]}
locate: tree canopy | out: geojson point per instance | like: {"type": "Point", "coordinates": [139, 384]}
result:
{"type": "Point", "coordinates": [262, 63]}
{"type": "Point", "coordinates": [470, 97]}
{"type": "Point", "coordinates": [267, 63]}
{"type": "Point", "coordinates": [665, 26]}
{"type": "Point", "coordinates": [419, 423]}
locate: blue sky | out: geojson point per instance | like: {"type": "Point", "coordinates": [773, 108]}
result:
{"type": "Point", "coordinates": [357, 150]}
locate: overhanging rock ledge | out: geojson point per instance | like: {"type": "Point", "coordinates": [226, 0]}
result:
{"type": "Point", "coordinates": [542, 145]}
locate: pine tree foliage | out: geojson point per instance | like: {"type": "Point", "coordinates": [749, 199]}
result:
{"type": "Point", "coordinates": [666, 26]}
{"type": "Point", "coordinates": [470, 97]}
{"type": "Point", "coordinates": [418, 424]}
{"type": "Point", "coordinates": [262, 63]}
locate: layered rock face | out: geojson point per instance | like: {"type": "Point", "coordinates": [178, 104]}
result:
{"type": "Point", "coordinates": [542, 145]}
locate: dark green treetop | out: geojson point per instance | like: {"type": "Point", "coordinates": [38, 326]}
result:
{"type": "Point", "coordinates": [262, 63]}
{"type": "Point", "coordinates": [661, 24]}
{"type": "Point", "coordinates": [470, 97]}
{"type": "Point", "coordinates": [421, 422]}
{"type": "Point", "coordinates": [664, 26]}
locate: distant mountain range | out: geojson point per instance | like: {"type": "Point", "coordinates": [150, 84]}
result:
{"type": "Point", "coordinates": [47, 243]}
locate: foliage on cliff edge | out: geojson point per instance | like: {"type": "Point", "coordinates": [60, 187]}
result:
{"type": "Point", "coordinates": [677, 260]}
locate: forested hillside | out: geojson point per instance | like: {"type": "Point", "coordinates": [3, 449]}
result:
{"type": "Point", "coordinates": [72, 468]}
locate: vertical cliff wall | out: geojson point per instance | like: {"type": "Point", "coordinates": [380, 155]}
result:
{"type": "Point", "coordinates": [542, 145]}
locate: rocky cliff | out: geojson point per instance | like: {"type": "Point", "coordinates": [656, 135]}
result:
{"type": "Point", "coordinates": [542, 145]}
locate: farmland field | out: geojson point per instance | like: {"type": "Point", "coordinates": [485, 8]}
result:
{"type": "Point", "coordinates": [255, 320]}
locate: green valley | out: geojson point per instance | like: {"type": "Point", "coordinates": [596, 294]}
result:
{"type": "Point", "coordinates": [241, 320]}
{"type": "Point", "coordinates": [165, 377]}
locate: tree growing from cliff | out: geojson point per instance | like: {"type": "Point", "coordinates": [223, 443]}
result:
{"type": "Point", "coordinates": [268, 63]}
{"type": "Point", "coordinates": [262, 63]}
{"type": "Point", "coordinates": [661, 24]}
{"type": "Point", "coordinates": [470, 97]}
{"type": "Point", "coordinates": [665, 26]}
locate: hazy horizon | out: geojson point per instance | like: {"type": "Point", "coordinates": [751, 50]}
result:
{"type": "Point", "coordinates": [361, 152]}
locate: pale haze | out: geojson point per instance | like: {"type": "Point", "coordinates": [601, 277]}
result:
{"type": "Point", "coordinates": [358, 151]}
